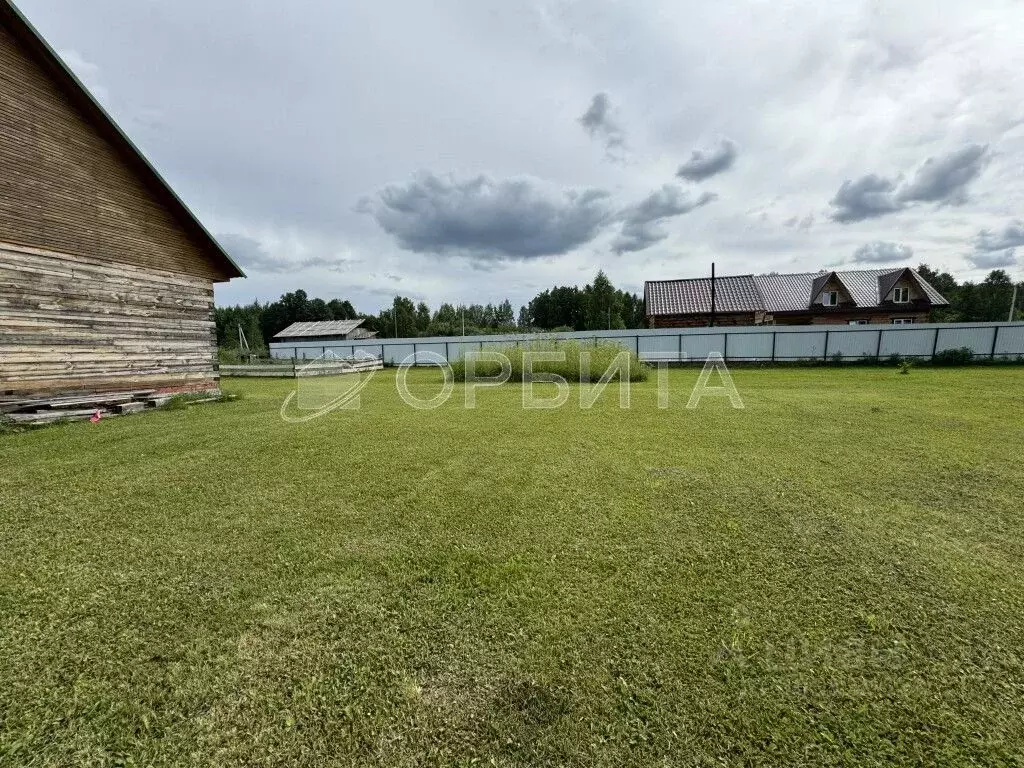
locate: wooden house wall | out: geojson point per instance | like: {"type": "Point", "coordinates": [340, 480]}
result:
{"type": "Point", "coordinates": [102, 287]}
{"type": "Point", "coordinates": [69, 323]}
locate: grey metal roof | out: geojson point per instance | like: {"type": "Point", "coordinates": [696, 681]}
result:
{"type": "Point", "coordinates": [790, 293]}
{"type": "Point", "coordinates": [773, 293]}
{"type": "Point", "coordinates": [693, 296]}
{"type": "Point", "coordinates": [319, 328]}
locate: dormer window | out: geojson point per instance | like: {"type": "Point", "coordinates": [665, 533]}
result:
{"type": "Point", "coordinates": [901, 295]}
{"type": "Point", "coordinates": [830, 298]}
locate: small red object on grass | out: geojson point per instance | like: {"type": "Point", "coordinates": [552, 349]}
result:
{"type": "Point", "coordinates": [95, 417]}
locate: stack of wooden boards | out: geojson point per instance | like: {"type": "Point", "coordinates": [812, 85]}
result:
{"type": "Point", "coordinates": [48, 410]}
{"type": "Point", "coordinates": [321, 366]}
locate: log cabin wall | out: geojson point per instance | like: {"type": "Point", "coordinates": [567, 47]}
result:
{"type": "Point", "coordinates": [70, 324]}
{"type": "Point", "coordinates": [106, 278]}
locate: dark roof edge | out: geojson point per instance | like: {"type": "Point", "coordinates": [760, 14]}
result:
{"type": "Point", "coordinates": [85, 101]}
{"type": "Point", "coordinates": [705, 277]}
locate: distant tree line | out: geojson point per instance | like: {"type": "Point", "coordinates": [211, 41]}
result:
{"type": "Point", "coordinates": [984, 302]}
{"type": "Point", "coordinates": [596, 306]}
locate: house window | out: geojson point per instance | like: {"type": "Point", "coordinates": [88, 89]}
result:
{"type": "Point", "coordinates": [830, 298]}
{"type": "Point", "coordinates": [902, 321]}
{"type": "Point", "coordinates": [858, 322]}
{"type": "Point", "coordinates": [901, 295]}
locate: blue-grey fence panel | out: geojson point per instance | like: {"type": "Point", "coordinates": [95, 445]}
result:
{"type": "Point", "coordinates": [428, 354]}
{"type": "Point", "coordinates": [628, 342]}
{"type": "Point", "coordinates": [800, 345]}
{"type": "Point", "coordinates": [367, 349]}
{"type": "Point", "coordinates": [497, 345]}
{"type": "Point", "coordinates": [458, 349]}
{"type": "Point", "coordinates": [659, 347]}
{"type": "Point", "coordinates": [338, 352]}
{"type": "Point", "coordinates": [396, 354]}
{"type": "Point", "coordinates": [750, 346]}
{"type": "Point", "coordinates": [978, 340]}
{"type": "Point", "coordinates": [699, 346]}
{"type": "Point", "coordinates": [906, 341]}
{"type": "Point", "coordinates": [853, 344]}
{"type": "Point", "coordinates": [1010, 342]}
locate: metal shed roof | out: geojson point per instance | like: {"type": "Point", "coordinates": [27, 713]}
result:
{"type": "Point", "coordinates": [319, 328]}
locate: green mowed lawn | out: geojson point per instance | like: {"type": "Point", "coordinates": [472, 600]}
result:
{"type": "Point", "coordinates": [830, 576]}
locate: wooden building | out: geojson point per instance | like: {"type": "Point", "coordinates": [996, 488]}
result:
{"type": "Point", "coordinates": [855, 297]}
{"type": "Point", "coordinates": [106, 277]}
{"type": "Point", "coordinates": [325, 331]}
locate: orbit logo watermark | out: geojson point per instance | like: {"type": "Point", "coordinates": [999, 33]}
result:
{"type": "Point", "coordinates": [321, 390]}
{"type": "Point", "coordinates": [329, 383]}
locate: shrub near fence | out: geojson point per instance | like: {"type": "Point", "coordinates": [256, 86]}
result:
{"type": "Point", "coordinates": [576, 361]}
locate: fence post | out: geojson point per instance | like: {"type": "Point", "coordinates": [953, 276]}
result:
{"type": "Point", "coordinates": [415, 356]}
{"type": "Point", "coordinates": [935, 342]}
{"type": "Point", "coordinates": [680, 354]}
{"type": "Point", "coordinates": [447, 354]}
{"type": "Point", "coordinates": [824, 356]}
{"type": "Point", "coordinates": [878, 349]}
{"type": "Point", "coordinates": [773, 345]}
{"type": "Point", "coordinates": [725, 346]}
{"type": "Point", "coordinates": [995, 338]}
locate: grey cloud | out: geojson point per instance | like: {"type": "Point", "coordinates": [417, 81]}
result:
{"type": "Point", "coordinates": [941, 180]}
{"type": "Point", "coordinates": [795, 222]}
{"type": "Point", "coordinates": [944, 180]}
{"type": "Point", "coordinates": [994, 259]}
{"type": "Point", "coordinates": [866, 198]}
{"type": "Point", "coordinates": [880, 252]}
{"type": "Point", "coordinates": [599, 123]}
{"type": "Point", "coordinates": [254, 258]}
{"type": "Point", "coordinates": [641, 223]}
{"type": "Point", "coordinates": [705, 163]}
{"type": "Point", "coordinates": [487, 219]}
{"type": "Point", "coordinates": [1011, 236]}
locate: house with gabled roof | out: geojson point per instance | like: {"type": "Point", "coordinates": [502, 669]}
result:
{"type": "Point", "coordinates": [106, 276]}
{"type": "Point", "coordinates": [891, 296]}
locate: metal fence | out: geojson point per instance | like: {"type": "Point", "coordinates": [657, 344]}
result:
{"type": "Point", "coordinates": [745, 343]}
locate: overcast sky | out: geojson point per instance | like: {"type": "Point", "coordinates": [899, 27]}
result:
{"type": "Point", "coordinates": [480, 149]}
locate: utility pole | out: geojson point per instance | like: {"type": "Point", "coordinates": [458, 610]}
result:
{"type": "Point", "coordinates": [244, 343]}
{"type": "Point", "coordinates": [1013, 304]}
{"type": "Point", "coordinates": [712, 294]}
{"type": "Point", "coordinates": [463, 320]}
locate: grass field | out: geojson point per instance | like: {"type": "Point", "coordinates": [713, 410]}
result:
{"type": "Point", "coordinates": [831, 576]}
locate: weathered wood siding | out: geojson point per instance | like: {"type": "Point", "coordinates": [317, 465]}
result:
{"type": "Point", "coordinates": [69, 323]}
{"type": "Point", "coordinates": [65, 187]}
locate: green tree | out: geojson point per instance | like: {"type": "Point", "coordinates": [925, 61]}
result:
{"type": "Point", "coordinates": [422, 318]}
